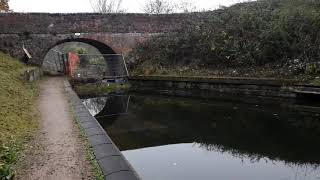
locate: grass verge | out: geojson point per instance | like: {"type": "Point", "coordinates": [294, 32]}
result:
{"type": "Point", "coordinates": [18, 115]}
{"type": "Point", "coordinates": [97, 172]}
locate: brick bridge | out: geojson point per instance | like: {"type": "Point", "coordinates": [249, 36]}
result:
{"type": "Point", "coordinates": [109, 33]}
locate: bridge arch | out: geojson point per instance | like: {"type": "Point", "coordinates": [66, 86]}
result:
{"type": "Point", "coordinates": [112, 60]}
{"type": "Point", "coordinates": [102, 47]}
{"type": "Point", "coordinates": [38, 32]}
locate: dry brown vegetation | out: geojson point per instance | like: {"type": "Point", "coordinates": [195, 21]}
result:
{"type": "Point", "coordinates": [264, 38]}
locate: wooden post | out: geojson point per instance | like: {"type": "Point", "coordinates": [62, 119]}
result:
{"type": "Point", "coordinates": [125, 65]}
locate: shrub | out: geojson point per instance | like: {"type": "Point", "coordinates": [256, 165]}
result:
{"type": "Point", "coordinates": [244, 35]}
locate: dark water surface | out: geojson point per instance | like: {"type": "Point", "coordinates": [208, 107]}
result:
{"type": "Point", "coordinates": [166, 138]}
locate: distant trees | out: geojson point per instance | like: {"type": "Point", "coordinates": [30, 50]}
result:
{"type": "Point", "coordinates": [166, 7]}
{"type": "Point", "coordinates": [151, 6]}
{"type": "Point", "coordinates": [187, 7]}
{"type": "Point", "coordinates": [4, 6]}
{"type": "Point", "coordinates": [75, 46]}
{"type": "Point", "coordinates": [158, 7]}
{"type": "Point", "coordinates": [107, 6]}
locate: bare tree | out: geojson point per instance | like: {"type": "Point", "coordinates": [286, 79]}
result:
{"type": "Point", "coordinates": [4, 6]}
{"type": "Point", "coordinates": [187, 7]}
{"type": "Point", "coordinates": [159, 7]}
{"type": "Point", "coordinates": [107, 6]}
{"type": "Point", "coordinates": [166, 7]}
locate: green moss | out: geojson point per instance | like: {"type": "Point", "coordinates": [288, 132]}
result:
{"type": "Point", "coordinates": [316, 82]}
{"type": "Point", "coordinates": [98, 89]}
{"type": "Point", "coordinates": [17, 113]}
{"type": "Point", "coordinates": [311, 69]}
{"type": "Point", "coordinates": [97, 172]}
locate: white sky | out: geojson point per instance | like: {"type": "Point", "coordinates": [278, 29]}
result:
{"type": "Point", "coordinates": [72, 6]}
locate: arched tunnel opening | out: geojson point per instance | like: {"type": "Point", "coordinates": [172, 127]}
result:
{"type": "Point", "coordinates": [84, 60]}
{"type": "Point", "coordinates": [101, 47]}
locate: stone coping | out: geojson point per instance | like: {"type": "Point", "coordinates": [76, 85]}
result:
{"type": "Point", "coordinates": [98, 14]}
{"type": "Point", "coordinates": [220, 80]}
{"type": "Point", "coordinates": [207, 86]}
{"type": "Point", "coordinates": [111, 161]}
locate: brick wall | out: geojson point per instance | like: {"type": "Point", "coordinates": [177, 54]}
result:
{"type": "Point", "coordinates": [39, 23]}
{"type": "Point", "coordinates": [39, 32]}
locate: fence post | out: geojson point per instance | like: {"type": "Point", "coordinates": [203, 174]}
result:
{"type": "Point", "coordinates": [125, 65]}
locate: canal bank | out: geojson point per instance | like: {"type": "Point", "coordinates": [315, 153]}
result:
{"type": "Point", "coordinates": [111, 161]}
{"type": "Point", "coordinates": [206, 87]}
{"type": "Point", "coordinates": [141, 125]}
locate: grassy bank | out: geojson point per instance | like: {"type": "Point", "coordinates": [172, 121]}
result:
{"type": "Point", "coordinates": [263, 38]}
{"type": "Point", "coordinates": [17, 112]}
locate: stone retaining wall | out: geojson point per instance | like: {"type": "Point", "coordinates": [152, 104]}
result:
{"type": "Point", "coordinates": [33, 74]}
{"type": "Point", "coordinates": [213, 87]}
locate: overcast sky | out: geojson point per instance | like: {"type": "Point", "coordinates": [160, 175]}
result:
{"type": "Point", "coordinates": [72, 6]}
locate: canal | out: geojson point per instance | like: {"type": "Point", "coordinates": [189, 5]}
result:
{"type": "Point", "coordinates": [170, 138]}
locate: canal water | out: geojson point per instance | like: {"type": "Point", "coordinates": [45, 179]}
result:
{"type": "Point", "coordinates": [169, 138]}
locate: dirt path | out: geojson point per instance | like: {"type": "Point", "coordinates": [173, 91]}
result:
{"type": "Point", "coordinates": [59, 152]}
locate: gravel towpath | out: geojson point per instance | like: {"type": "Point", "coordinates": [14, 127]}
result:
{"type": "Point", "coordinates": [58, 152]}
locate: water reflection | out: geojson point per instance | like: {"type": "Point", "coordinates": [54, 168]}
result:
{"type": "Point", "coordinates": [189, 161]}
{"type": "Point", "coordinates": [107, 106]}
{"type": "Point", "coordinates": [177, 138]}
{"type": "Point", "coordinates": [95, 105]}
